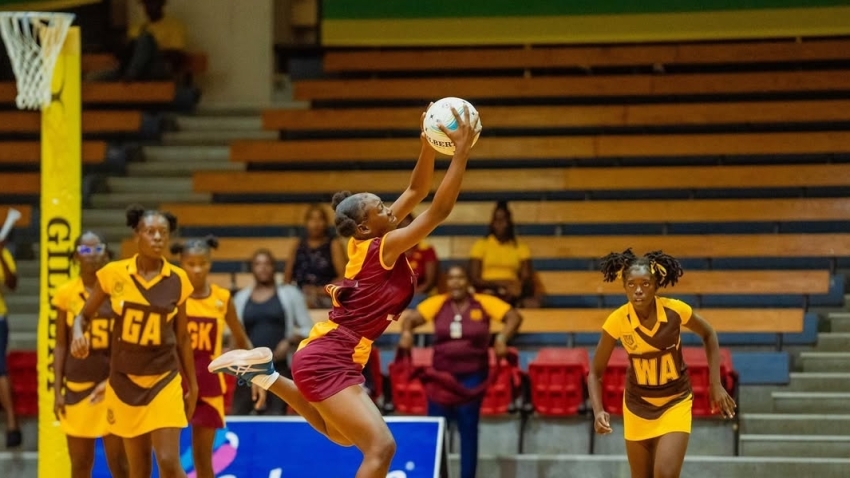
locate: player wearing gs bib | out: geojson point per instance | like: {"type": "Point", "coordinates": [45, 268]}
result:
{"type": "Point", "coordinates": [208, 310]}
{"type": "Point", "coordinates": [78, 404]}
{"type": "Point", "coordinates": [150, 345]}
{"type": "Point", "coordinates": [377, 287]}
{"type": "Point", "coordinates": [657, 400]}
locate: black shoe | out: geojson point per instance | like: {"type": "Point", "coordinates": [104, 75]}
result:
{"type": "Point", "coordinates": [13, 438]}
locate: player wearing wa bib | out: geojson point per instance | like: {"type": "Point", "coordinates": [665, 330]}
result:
{"type": "Point", "coordinates": [82, 418]}
{"type": "Point", "coordinates": [658, 397]}
{"type": "Point", "coordinates": [206, 322]}
{"type": "Point", "coordinates": [144, 392]}
{"type": "Point", "coordinates": [371, 295]}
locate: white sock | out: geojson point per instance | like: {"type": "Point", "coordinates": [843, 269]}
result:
{"type": "Point", "coordinates": [265, 381]}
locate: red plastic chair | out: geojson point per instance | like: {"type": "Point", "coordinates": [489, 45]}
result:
{"type": "Point", "coordinates": [558, 377]}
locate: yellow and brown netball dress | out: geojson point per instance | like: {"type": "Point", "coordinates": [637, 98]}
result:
{"type": "Point", "coordinates": [206, 319]}
{"type": "Point", "coordinates": [658, 396]}
{"type": "Point", "coordinates": [144, 391]}
{"type": "Point", "coordinates": [83, 419]}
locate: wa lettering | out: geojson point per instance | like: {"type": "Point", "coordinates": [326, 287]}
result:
{"type": "Point", "coordinates": [656, 371]}
{"type": "Point", "coordinates": [142, 328]}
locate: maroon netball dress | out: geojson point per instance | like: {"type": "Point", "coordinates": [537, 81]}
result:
{"type": "Point", "coordinates": [369, 298]}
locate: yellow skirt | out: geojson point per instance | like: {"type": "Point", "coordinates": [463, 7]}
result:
{"type": "Point", "coordinates": [85, 420]}
{"type": "Point", "coordinates": [164, 411]}
{"type": "Point", "coordinates": [676, 419]}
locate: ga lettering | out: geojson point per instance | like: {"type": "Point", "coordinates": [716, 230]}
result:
{"type": "Point", "coordinates": [142, 328]}
{"type": "Point", "coordinates": [656, 371]}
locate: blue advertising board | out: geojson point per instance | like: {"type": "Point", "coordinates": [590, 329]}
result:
{"type": "Point", "coordinates": [288, 447]}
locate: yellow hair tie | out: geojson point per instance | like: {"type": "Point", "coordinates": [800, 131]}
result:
{"type": "Point", "coordinates": [620, 273]}
{"type": "Point", "coordinates": [661, 269]}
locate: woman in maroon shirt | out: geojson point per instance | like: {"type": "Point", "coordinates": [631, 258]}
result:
{"type": "Point", "coordinates": [457, 385]}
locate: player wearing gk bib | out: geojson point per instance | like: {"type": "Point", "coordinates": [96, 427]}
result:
{"type": "Point", "coordinates": [79, 383]}
{"type": "Point", "coordinates": [208, 310]}
{"type": "Point", "coordinates": [377, 287]}
{"type": "Point", "coordinates": [657, 400]}
{"type": "Point", "coordinates": [150, 345]}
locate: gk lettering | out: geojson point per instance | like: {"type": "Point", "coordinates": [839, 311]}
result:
{"type": "Point", "coordinates": [202, 334]}
{"type": "Point", "coordinates": [656, 371]}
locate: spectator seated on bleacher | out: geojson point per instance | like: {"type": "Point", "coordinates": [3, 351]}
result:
{"type": "Point", "coordinates": [425, 264]}
{"type": "Point", "coordinates": [500, 264]}
{"type": "Point", "coordinates": [316, 260]}
{"type": "Point", "coordinates": [155, 49]}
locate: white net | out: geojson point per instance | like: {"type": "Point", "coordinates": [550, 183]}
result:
{"type": "Point", "coordinates": [33, 41]}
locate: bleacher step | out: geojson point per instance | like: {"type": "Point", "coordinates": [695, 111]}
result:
{"type": "Point", "coordinates": [23, 323]}
{"type": "Point", "coordinates": [215, 137]}
{"type": "Point", "coordinates": [147, 199]}
{"type": "Point", "coordinates": [825, 361]}
{"type": "Point", "coordinates": [114, 235]}
{"type": "Point", "coordinates": [27, 268]}
{"type": "Point", "coordinates": [186, 153]}
{"type": "Point", "coordinates": [144, 184]}
{"type": "Point", "coordinates": [833, 342]}
{"type": "Point", "coordinates": [22, 303]}
{"type": "Point", "coordinates": [811, 402]}
{"type": "Point", "coordinates": [819, 382]}
{"type": "Point", "coordinates": [27, 285]}
{"type": "Point", "coordinates": [220, 123]}
{"type": "Point", "coordinates": [790, 424]}
{"type": "Point", "coordinates": [823, 446]}
{"type": "Point", "coordinates": [839, 321]}
{"type": "Point", "coordinates": [23, 341]}
{"type": "Point", "coordinates": [104, 217]}
{"type": "Point", "coordinates": [181, 168]}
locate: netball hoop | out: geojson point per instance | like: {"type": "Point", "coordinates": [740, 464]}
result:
{"type": "Point", "coordinates": [33, 41]}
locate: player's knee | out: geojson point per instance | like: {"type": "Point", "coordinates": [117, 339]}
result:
{"type": "Point", "coordinates": [82, 464]}
{"type": "Point", "coordinates": [169, 465]}
{"type": "Point", "coordinates": [384, 448]}
{"type": "Point", "coordinates": [665, 472]}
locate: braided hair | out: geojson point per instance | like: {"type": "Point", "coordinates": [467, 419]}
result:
{"type": "Point", "coordinates": [201, 246]}
{"type": "Point", "coordinates": [349, 211]}
{"type": "Point", "coordinates": [665, 268]}
{"type": "Point", "coordinates": [137, 213]}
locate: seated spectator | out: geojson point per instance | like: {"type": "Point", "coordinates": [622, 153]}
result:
{"type": "Point", "coordinates": [317, 260]}
{"type": "Point", "coordinates": [423, 260]}
{"type": "Point", "coordinates": [500, 264]}
{"type": "Point", "coordinates": [155, 50]}
{"type": "Point", "coordinates": [274, 316]}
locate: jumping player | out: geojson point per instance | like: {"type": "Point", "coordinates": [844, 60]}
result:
{"type": "Point", "coordinates": [81, 416]}
{"type": "Point", "coordinates": [658, 397]}
{"type": "Point", "coordinates": [209, 310]}
{"type": "Point", "coordinates": [377, 287]}
{"type": "Point", "coordinates": [144, 396]}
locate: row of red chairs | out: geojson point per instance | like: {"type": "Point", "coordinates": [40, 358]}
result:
{"type": "Point", "coordinates": [557, 379]}
{"type": "Point", "coordinates": [22, 367]}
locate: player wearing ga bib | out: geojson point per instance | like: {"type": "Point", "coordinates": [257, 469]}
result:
{"type": "Point", "coordinates": [144, 392]}
{"type": "Point", "coordinates": [206, 322]}
{"type": "Point", "coordinates": [371, 296]}
{"type": "Point", "coordinates": [80, 376]}
{"type": "Point", "coordinates": [657, 398]}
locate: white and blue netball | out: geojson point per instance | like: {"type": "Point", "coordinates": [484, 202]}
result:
{"type": "Point", "coordinates": [441, 112]}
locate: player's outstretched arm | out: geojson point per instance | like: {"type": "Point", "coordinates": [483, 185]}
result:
{"type": "Point", "coordinates": [400, 240]}
{"type": "Point", "coordinates": [421, 178]}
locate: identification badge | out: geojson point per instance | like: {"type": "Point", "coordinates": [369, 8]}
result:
{"type": "Point", "coordinates": [456, 330]}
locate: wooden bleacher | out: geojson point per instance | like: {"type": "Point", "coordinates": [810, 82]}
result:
{"type": "Point", "coordinates": [549, 147]}
{"type": "Point", "coordinates": [538, 179]}
{"type": "Point", "coordinates": [29, 152]}
{"type": "Point", "coordinates": [551, 212]}
{"type": "Point", "coordinates": [694, 282]}
{"type": "Point", "coordinates": [196, 62]}
{"type": "Point", "coordinates": [560, 116]}
{"type": "Point", "coordinates": [427, 89]}
{"type": "Point", "coordinates": [25, 210]}
{"type": "Point", "coordinates": [110, 93]}
{"type": "Point", "coordinates": [588, 247]}
{"type": "Point", "coordinates": [20, 183]}
{"type": "Point", "coordinates": [93, 122]}
{"type": "Point", "coordinates": [585, 57]}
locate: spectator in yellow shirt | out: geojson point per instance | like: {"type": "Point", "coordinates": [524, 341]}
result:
{"type": "Point", "coordinates": [9, 278]}
{"type": "Point", "coordinates": [500, 264]}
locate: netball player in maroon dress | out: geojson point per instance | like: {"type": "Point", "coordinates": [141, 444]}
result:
{"type": "Point", "coordinates": [377, 287]}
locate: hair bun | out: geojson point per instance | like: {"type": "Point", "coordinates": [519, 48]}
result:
{"type": "Point", "coordinates": [134, 214]}
{"type": "Point", "coordinates": [339, 197]}
{"type": "Point", "coordinates": [211, 241]}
